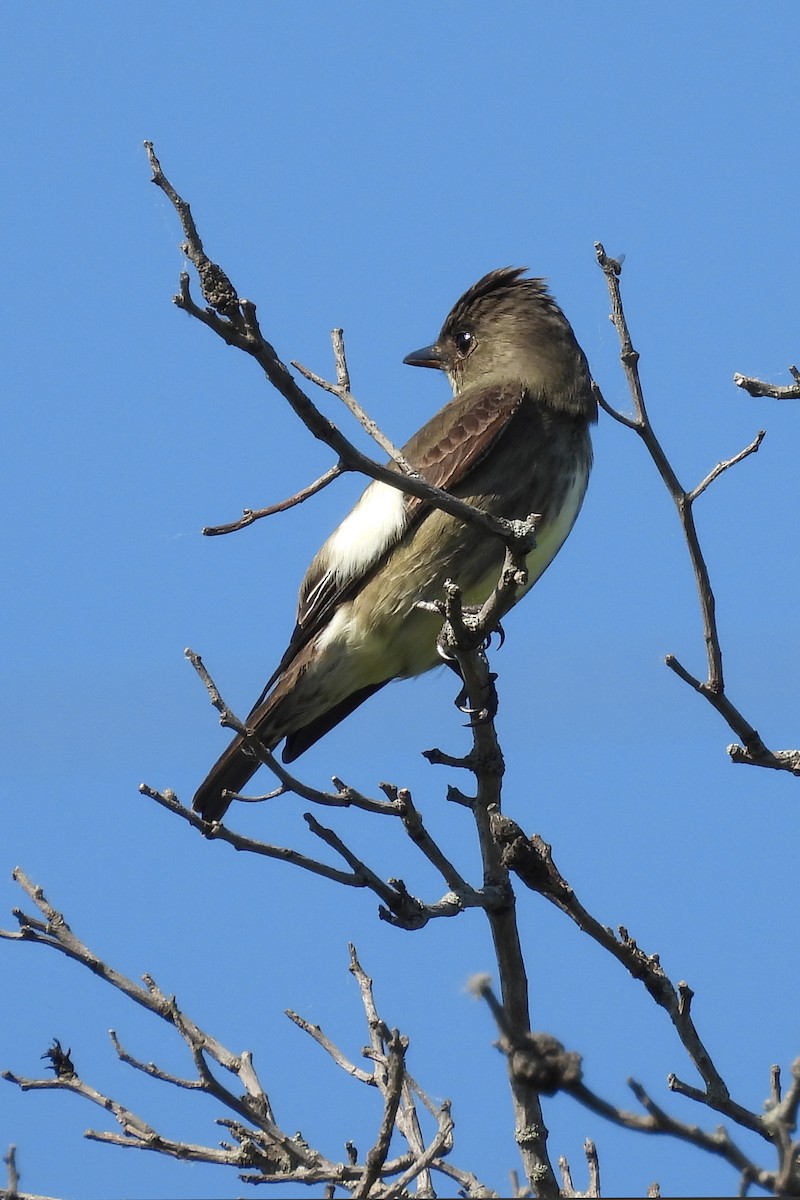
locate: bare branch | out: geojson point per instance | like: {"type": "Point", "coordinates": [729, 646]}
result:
{"type": "Point", "coordinates": [250, 515]}
{"type": "Point", "coordinates": [486, 762]}
{"type": "Point", "coordinates": [263, 1152]}
{"type": "Point", "coordinates": [778, 760]}
{"type": "Point", "coordinates": [234, 319]}
{"type": "Point", "coordinates": [656, 1121]}
{"type": "Point", "coordinates": [542, 1057]}
{"type": "Point", "coordinates": [757, 387]}
{"type": "Point", "coordinates": [531, 859]}
{"type": "Point", "coordinates": [218, 832]}
{"type": "Point", "coordinates": [401, 908]}
{"type": "Point", "coordinates": [342, 389]}
{"type": "Point", "coordinates": [396, 1047]}
{"type": "Point", "coordinates": [724, 466]}
{"type": "Point", "coordinates": [754, 750]}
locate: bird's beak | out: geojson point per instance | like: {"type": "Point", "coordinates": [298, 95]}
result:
{"type": "Point", "coordinates": [428, 356]}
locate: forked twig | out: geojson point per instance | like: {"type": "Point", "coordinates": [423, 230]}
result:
{"type": "Point", "coordinates": [753, 749]}
{"type": "Point", "coordinates": [263, 1152]}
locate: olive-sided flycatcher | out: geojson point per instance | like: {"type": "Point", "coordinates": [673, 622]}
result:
{"type": "Point", "coordinates": [514, 440]}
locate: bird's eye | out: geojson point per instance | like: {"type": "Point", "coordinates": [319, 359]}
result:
{"type": "Point", "coordinates": [464, 342]}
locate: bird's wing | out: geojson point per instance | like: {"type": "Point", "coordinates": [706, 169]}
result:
{"type": "Point", "coordinates": [443, 451]}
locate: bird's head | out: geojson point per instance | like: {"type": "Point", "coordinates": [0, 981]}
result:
{"type": "Point", "coordinates": [506, 328]}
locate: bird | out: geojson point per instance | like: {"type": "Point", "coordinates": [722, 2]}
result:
{"type": "Point", "coordinates": [514, 440]}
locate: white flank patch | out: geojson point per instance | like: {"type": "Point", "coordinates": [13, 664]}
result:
{"type": "Point", "coordinates": [367, 531]}
{"type": "Point", "coordinates": [335, 629]}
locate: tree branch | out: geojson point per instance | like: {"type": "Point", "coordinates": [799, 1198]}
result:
{"type": "Point", "coordinates": [250, 515]}
{"type": "Point", "coordinates": [753, 750]}
{"type": "Point", "coordinates": [342, 389]}
{"type": "Point", "coordinates": [757, 387]}
{"type": "Point", "coordinates": [263, 1151]}
{"type": "Point", "coordinates": [234, 320]}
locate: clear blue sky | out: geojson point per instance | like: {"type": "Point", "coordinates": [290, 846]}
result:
{"type": "Point", "coordinates": [360, 165]}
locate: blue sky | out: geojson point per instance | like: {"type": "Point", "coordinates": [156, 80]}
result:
{"type": "Point", "coordinates": [360, 166]}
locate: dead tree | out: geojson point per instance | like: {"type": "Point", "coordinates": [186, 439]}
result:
{"type": "Point", "coordinates": [412, 1149]}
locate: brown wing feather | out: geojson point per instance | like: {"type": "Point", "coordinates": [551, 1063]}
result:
{"type": "Point", "coordinates": [462, 432]}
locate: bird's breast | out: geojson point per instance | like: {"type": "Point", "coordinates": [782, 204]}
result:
{"type": "Point", "coordinates": [553, 532]}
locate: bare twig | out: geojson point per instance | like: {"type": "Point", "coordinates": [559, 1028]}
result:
{"type": "Point", "coordinates": [263, 1151]}
{"type": "Point", "coordinates": [593, 1187]}
{"type": "Point", "coordinates": [401, 909]}
{"type": "Point", "coordinates": [329, 1047]}
{"type": "Point", "coordinates": [11, 1191]}
{"type": "Point", "coordinates": [726, 465]}
{"type": "Point", "coordinates": [753, 749]}
{"type": "Point", "coordinates": [343, 797]}
{"type": "Point", "coordinates": [255, 514]}
{"type": "Point", "coordinates": [406, 1115]}
{"type": "Point", "coordinates": [396, 1047]}
{"type": "Point", "coordinates": [217, 832]}
{"type": "Point", "coordinates": [757, 387]}
{"type": "Point", "coordinates": [342, 389]}
{"type": "Point", "coordinates": [10, 1159]}
{"type": "Point", "coordinates": [151, 1069]}
{"type": "Point", "coordinates": [234, 320]}
{"type": "Point", "coordinates": [414, 827]}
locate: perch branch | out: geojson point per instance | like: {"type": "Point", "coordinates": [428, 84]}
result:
{"type": "Point", "coordinates": [234, 320]}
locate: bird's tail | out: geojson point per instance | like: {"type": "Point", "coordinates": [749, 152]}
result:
{"type": "Point", "coordinates": [300, 708]}
{"type": "Point", "coordinates": [232, 771]}
{"type": "Point", "coordinates": [237, 765]}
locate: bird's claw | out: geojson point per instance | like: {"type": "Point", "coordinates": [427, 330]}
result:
{"type": "Point", "coordinates": [478, 716]}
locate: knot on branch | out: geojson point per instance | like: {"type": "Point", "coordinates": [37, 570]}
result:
{"type": "Point", "coordinates": [542, 1062]}
{"type": "Point", "coordinates": [611, 266]}
{"type": "Point", "coordinates": [258, 1149]}
{"type": "Point", "coordinates": [522, 537]}
{"type": "Point", "coordinates": [528, 857]}
{"type": "Point", "coordinates": [536, 1059]}
{"type": "Point", "coordinates": [218, 291]}
{"type": "Point", "coordinates": [404, 911]}
{"type": "Point", "coordinates": [647, 967]}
